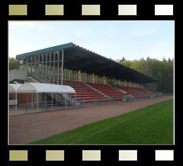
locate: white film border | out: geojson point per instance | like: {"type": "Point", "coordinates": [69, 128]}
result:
{"type": "Point", "coordinates": [91, 10]}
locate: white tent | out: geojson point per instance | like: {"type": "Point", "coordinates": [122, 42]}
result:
{"type": "Point", "coordinates": [40, 88]}
{"type": "Point", "coordinates": [13, 89]}
{"type": "Point", "coordinates": [44, 88]}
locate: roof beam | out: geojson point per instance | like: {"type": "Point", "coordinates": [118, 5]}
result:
{"type": "Point", "coordinates": [97, 67]}
{"type": "Point", "coordinates": [79, 63]}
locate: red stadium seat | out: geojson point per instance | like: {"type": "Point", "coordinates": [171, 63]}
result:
{"type": "Point", "coordinates": [108, 90]}
{"type": "Point", "coordinates": [85, 93]}
{"type": "Point", "coordinates": [137, 92]}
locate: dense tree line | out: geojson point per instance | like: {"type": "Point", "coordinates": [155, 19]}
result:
{"type": "Point", "coordinates": [13, 64]}
{"type": "Point", "coordinates": [161, 70]}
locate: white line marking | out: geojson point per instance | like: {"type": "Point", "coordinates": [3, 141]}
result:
{"type": "Point", "coordinates": [110, 127]}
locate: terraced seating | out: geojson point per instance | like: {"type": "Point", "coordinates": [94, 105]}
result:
{"type": "Point", "coordinates": [108, 90]}
{"type": "Point", "coordinates": [132, 91]}
{"type": "Point", "coordinates": [145, 92]}
{"type": "Point", "coordinates": [85, 93]}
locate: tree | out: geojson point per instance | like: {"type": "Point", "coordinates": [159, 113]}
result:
{"type": "Point", "coordinates": [13, 64]}
{"type": "Point", "coordinates": [121, 60]}
{"type": "Point", "coordinates": [161, 70]}
{"type": "Point", "coordinates": [126, 63]}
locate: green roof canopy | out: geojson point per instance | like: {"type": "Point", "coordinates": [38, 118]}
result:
{"type": "Point", "coordinates": [78, 58]}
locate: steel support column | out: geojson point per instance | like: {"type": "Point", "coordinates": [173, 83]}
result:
{"type": "Point", "coordinates": [46, 65]}
{"type": "Point", "coordinates": [62, 67]}
{"type": "Point", "coordinates": [53, 68]}
{"type": "Point", "coordinates": [50, 68]}
{"type": "Point", "coordinates": [58, 66]}
{"type": "Point", "coordinates": [42, 67]}
{"type": "Point", "coordinates": [31, 66]}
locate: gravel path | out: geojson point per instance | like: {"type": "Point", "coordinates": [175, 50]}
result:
{"type": "Point", "coordinates": [24, 129]}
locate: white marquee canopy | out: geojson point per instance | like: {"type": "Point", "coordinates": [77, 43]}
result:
{"type": "Point", "coordinates": [39, 88]}
{"type": "Point", "coordinates": [44, 88]}
{"type": "Point", "coordinates": [14, 87]}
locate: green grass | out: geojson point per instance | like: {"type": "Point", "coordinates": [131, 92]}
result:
{"type": "Point", "coordinates": [149, 125]}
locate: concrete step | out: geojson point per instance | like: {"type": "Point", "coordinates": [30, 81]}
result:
{"type": "Point", "coordinates": [124, 92]}
{"type": "Point", "coordinates": [98, 90]}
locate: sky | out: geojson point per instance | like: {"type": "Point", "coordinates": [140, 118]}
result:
{"type": "Point", "coordinates": [132, 40]}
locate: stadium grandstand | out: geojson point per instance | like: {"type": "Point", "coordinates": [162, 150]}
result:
{"type": "Point", "coordinates": [92, 76]}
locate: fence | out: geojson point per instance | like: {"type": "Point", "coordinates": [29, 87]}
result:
{"type": "Point", "coordinates": [65, 104]}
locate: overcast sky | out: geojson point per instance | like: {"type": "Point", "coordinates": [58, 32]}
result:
{"type": "Point", "coordinates": [112, 39]}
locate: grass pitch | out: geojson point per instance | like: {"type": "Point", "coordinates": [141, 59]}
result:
{"type": "Point", "coordinates": [150, 125]}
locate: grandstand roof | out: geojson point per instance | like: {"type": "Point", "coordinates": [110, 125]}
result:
{"type": "Point", "coordinates": [79, 58]}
